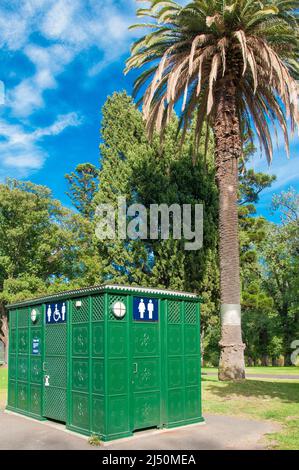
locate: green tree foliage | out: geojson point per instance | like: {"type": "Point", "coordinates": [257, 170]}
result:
{"type": "Point", "coordinates": [280, 265]}
{"type": "Point", "coordinates": [33, 240]}
{"type": "Point", "coordinates": [259, 316]}
{"type": "Point", "coordinates": [82, 188]}
{"type": "Point", "coordinates": [43, 246]}
{"type": "Point", "coordinates": [270, 273]}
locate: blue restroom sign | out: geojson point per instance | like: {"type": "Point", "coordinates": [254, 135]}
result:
{"type": "Point", "coordinates": [56, 313]}
{"type": "Point", "coordinates": [145, 309]}
{"type": "Point", "coordinates": [35, 346]}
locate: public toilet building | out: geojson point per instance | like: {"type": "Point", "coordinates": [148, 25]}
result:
{"type": "Point", "coordinates": [107, 360]}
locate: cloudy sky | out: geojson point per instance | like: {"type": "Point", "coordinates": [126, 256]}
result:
{"type": "Point", "coordinates": [60, 59]}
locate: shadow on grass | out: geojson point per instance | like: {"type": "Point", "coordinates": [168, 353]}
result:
{"type": "Point", "coordinates": [284, 391]}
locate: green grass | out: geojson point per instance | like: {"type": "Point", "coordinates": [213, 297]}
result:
{"type": "Point", "coordinates": [3, 386]}
{"type": "Point", "coordinates": [265, 399]}
{"type": "Point", "coordinates": [292, 370]}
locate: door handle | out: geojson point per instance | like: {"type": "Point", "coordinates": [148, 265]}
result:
{"type": "Point", "coordinates": [135, 368]}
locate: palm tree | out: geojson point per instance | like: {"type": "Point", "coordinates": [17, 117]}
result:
{"type": "Point", "coordinates": [232, 66]}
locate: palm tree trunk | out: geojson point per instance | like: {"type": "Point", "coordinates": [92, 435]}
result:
{"type": "Point", "coordinates": [228, 149]}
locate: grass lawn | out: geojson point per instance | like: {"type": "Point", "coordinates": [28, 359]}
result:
{"type": "Point", "coordinates": [292, 370]}
{"type": "Point", "coordinates": [3, 386]}
{"type": "Point", "coordinates": [266, 399]}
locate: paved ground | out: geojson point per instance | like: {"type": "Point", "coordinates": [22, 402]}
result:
{"type": "Point", "coordinates": [261, 376]}
{"type": "Point", "coordinates": [219, 432]}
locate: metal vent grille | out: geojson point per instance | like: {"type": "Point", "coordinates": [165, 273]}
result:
{"type": "Point", "coordinates": [23, 317]}
{"type": "Point", "coordinates": [54, 334]}
{"type": "Point", "coordinates": [55, 403]}
{"type": "Point", "coordinates": [13, 319]}
{"type": "Point", "coordinates": [98, 308]}
{"type": "Point", "coordinates": [80, 314]}
{"type": "Point", "coordinates": [56, 369]}
{"type": "Point", "coordinates": [190, 313]}
{"type": "Point", "coordinates": [174, 312]}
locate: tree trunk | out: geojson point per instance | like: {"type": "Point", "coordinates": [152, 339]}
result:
{"type": "Point", "coordinates": [4, 336]}
{"type": "Point", "coordinates": [228, 149]}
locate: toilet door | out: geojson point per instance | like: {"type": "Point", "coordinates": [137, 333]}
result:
{"type": "Point", "coordinates": [146, 364]}
{"type": "Point", "coordinates": [55, 362]}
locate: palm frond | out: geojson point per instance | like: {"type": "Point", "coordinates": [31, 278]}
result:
{"type": "Point", "coordinates": [192, 52]}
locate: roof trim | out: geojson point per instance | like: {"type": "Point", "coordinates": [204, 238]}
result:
{"type": "Point", "coordinates": [101, 289]}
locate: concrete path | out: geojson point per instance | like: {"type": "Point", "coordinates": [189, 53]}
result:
{"type": "Point", "coordinates": [261, 376]}
{"type": "Point", "coordinates": [219, 432]}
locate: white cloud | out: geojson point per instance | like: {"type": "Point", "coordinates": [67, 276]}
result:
{"type": "Point", "coordinates": [71, 26]}
{"type": "Point", "coordinates": [21, 150]}
{"type": "Point", "coordinates": [24, 98]}
{"type": "Point", "coordinates": [56, 22]}
{"type": "Point", "coordinates": [27, 97]}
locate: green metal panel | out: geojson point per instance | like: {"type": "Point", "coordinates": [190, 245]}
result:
{"type": "Point", "coordinates": [13, 319]}
{"type": "Point", "coordinates": [98, 415]}
{"type": "Point", "coordinates": [12, 360]}
{"type": "Point", "coordinates": [22, 364]}
{"type": "Point", "coordinates": [80, 410]}
{"type": "Point", "coordinates": [22, 396]}
{"type": "Point", "coordinates": [25, 368]}
{"type": "Point", "coordinates": [117, 370]}
{"type": "Point", "coordinates": [35, 399]}
{"type": "Point", "coordinates": [97, 365]}
{"type": "Point", "coordinates": [183, 362]}
{"type": "Point", "coordinates": [80, 315]}
{"type": "Point", "coordinates": [35, 363]}
{"type": "Point", "coordinates": [12, 394]}
{"type": "Point", "coordinates": [13, 340]}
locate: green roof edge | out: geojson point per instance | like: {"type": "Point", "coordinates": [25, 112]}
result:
{"type": "Point", "coordinates": [97, 289]}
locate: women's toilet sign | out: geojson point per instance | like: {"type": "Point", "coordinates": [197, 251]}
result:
{"type": "Point", "coordinates": [145, 309]}
{"type": "Point", "coordinates": [56, 313]}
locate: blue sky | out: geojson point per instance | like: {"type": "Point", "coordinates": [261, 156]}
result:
{"type": "Point", "coordinates": [60, 59]}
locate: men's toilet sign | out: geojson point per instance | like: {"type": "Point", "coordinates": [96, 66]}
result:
{"type": "Point", "coordinates": [56, 313]}
{"type": "Point", "coordinates": [145, 309]}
